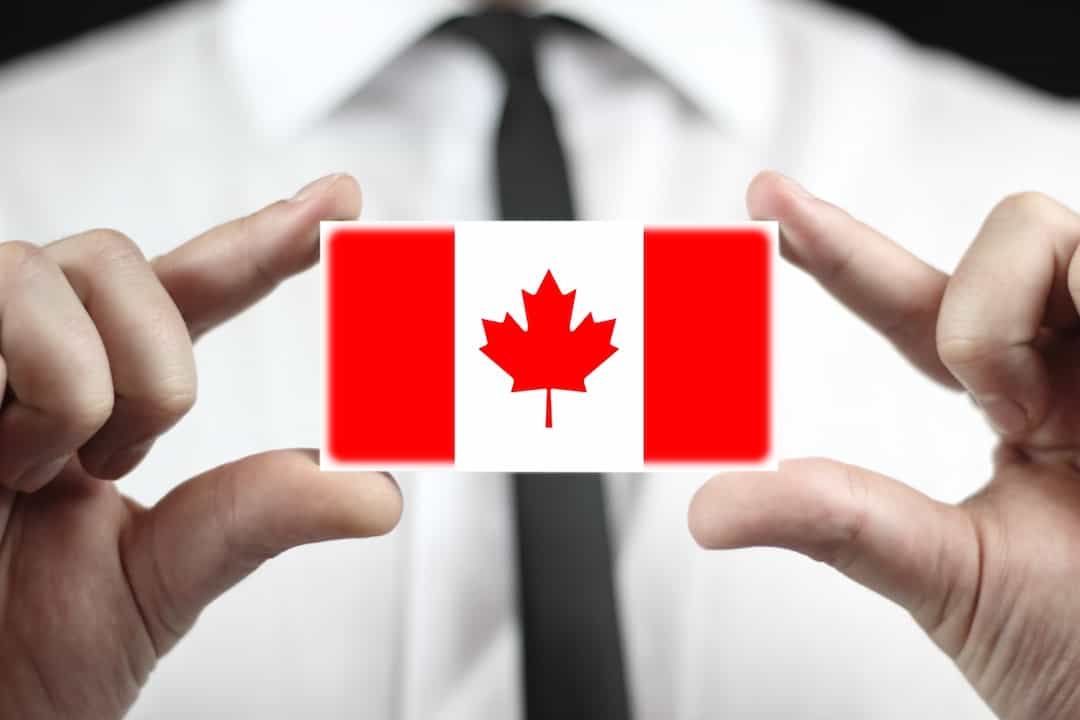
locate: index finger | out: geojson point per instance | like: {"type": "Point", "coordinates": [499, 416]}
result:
{"type": "Point", "coordinates": [895, 292]}
{"type": "Point", "coordinates": [225, 270]}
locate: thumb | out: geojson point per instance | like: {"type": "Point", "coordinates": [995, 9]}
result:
{"type": "Point", "coordinates": [214, 530]}
{"type": "Point", "coordinates": [881, 533]}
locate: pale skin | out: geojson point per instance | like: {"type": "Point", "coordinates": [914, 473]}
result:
{"type": "Point", "coordinates": [96, 347]}
{"type": "Point", "coordinates": [993, 580]}
{"type": "Point", "coordinates": [96, 355]}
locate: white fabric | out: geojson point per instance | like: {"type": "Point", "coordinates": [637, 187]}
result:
{"type": "Point", "coordinates": [185, 118]}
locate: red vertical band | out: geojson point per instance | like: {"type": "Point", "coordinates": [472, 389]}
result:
{"type": "Point", "coordinates": [390, 345]}
{"type": "Point", "coordinates": [707, 369]}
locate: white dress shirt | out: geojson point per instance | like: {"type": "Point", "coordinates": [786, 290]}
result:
{"type": "Point", "coordinates": [179, 120]}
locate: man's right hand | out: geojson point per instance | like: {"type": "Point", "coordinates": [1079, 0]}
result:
{"type": "Point", "coordinates": [96, 361]}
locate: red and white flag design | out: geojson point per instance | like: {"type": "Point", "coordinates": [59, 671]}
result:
{"type": "Point", "coordinates": [546, 346]}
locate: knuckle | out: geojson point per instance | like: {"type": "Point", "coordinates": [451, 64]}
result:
{"type": "Point", "coordinates": [854, 518]}
{"type": "Point", "coordinates": [245, 545]}
{"type": "Point", "coordinates": [88, 410]}
{"type": "Point", "coordinates": [112, 246]}
{"type": "Point", "coordinates": [18, 257]}
{"type": "Point", "coordinates": [1029, 207]}
{"type": "Point", "coordinates": [174, 396]}
{"type": "Point", "coordinates": [909, 321]}
{"type": "Point", "coordinates": [835, 267]}
{"type": "Point", "coordinates": [848, 518]}
{"type": "Point", "coordinates": [841, 514]}
{"type": "Point", "coordinates": [249, 226]}
{"type": "Point", "coordinates": [262, 271]}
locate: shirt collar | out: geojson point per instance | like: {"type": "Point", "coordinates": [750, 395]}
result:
{"type": "Point", "coordinates": [296, 61]}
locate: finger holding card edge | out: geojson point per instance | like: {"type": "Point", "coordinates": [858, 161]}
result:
{"type": "Point", "coordinates": [225, 270]}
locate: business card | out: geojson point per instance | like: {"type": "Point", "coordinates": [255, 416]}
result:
{"type": "Point", "coordinates": [547, 346]}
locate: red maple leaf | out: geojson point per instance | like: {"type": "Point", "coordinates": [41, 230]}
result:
{"type": "Point", "coordinates": [549, 355]}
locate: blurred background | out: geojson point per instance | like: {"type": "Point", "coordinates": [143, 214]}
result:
{"type": "Point", "coordinates": [1033, 41]}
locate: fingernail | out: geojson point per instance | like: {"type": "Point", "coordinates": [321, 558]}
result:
{"type": "Point", "coordinates": [315, 187]}
{"type": "Point", "coordinates": [796, 188]}
{"type": "Point", "coordinates": [1006, 416]}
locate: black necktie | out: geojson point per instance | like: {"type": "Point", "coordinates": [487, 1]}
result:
{"type": "Point", "coordinates": [572, 651]}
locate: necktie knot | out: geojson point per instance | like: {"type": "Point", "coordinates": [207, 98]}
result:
{"type": "Point", "coordinates": [508, 37]}
{"type": "Point", "coordinates": [533, 182]}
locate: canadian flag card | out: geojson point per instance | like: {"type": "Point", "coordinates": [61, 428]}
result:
{"type": "Point", "coordinates": [547, 346]}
